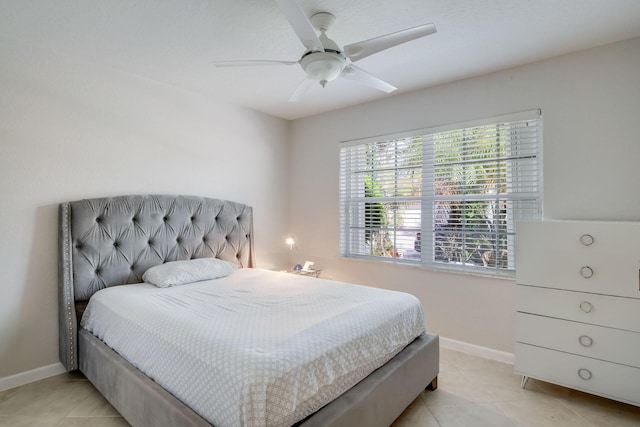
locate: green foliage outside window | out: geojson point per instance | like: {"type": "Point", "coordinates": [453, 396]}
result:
{"type": "Point", "coordinates": [449, 197]}
{"type": "Point", "coordinates": [375, 218]}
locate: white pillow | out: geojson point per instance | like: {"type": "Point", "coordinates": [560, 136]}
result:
{"type": "Point", "coordinates": [181, 272]}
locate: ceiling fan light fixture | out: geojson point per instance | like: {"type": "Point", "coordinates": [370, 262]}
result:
{"type": "Point", "coordinates": [324, 60]}
{"type": "Point", "coordinates": [323, 66]}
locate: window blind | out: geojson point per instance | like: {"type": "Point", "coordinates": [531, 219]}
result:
{"type": "Point", "coordinates": [445, 197]}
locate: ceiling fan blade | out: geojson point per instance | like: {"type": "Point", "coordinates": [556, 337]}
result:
{"type": "Point", "coordinates": [301, 24]}
{"type": "Point", "coordinates": [302, 89]}
{"type": "Point", "coordinates": [359, 75]}
{"type": "Point", "coordinates": [251, 63]}
{"type": "Point", "coordinates": [357, 51]}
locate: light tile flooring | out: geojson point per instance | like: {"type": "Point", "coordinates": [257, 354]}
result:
{"type": "Point", "coordinates": [472, 391]}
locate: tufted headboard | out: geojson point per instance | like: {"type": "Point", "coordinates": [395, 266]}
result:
{"type": "Point", "coordinates": [113, 241]}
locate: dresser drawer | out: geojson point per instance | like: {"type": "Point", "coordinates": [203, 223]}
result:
{"type": "Point", "coordinates": [603, 310]}
{"type": "Point", "coordinates": [613, 345]}
{"type": "Point", "coordinates": [597, 257]}
{"type": "Point", "coordinates": [581, 373]}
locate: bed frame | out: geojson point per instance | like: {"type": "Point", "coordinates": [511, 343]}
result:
{"type": "Point", "coordinates": [113, 241]}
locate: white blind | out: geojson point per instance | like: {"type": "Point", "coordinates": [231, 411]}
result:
{"type": "Point", "coordinates": [447, 198]}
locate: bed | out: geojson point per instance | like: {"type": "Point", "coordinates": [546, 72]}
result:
{"type": "Point", "coordinates": [108, 242]}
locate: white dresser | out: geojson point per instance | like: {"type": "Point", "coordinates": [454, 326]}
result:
{"type": "Point", "coordinates": [578, 306]}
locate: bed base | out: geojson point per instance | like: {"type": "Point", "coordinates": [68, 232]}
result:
{"type": "Point", "coordinates": [375, 401]}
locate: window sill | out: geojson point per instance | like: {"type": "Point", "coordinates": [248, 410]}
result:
{"type": "Point", "coordinates": [507, 275]}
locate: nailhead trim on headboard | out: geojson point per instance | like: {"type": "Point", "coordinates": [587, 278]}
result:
{"type": "Point", "coordinates": [68, 326]}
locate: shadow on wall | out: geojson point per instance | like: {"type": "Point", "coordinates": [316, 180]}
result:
{"type": "Point", "coordinates": [31, 324]}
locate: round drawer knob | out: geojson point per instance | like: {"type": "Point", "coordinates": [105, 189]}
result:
{"type": "Point", "coordinates": [586, 272]}
{"type": "Point", "coordinates": [587, 239]}
{"type": "Point", "coordinates": [585, 341]}
{"type": "Point", "coordinates": [586, 306]}
{"type": "Point", "coordinates": [584, 374]}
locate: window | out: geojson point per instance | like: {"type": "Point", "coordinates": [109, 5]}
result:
{"type": "Point", "coordinates": [446, 197]}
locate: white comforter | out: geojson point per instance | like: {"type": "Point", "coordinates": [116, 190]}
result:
{"type": "Point", "coordinates": [257, 348]}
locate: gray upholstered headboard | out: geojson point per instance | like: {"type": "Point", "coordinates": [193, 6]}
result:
{"type": "Point", "coordinates": [113, 241]}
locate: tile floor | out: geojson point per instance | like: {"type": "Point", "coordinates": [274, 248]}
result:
{"type": "Point", "coordinates": [472, 391]}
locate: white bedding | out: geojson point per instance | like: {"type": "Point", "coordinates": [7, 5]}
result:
{"type": "Point", "coordinates": [256, 348]}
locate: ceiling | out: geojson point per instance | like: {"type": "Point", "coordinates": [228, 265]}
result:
{"type": "Point", "coordinates": [177, 41]}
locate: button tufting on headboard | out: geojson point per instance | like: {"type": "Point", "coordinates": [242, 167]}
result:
{"type": "Point", "coordinates": [113, 241]}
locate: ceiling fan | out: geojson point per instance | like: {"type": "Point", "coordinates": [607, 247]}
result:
{"type": "Point", "coordinates": [324, 61]}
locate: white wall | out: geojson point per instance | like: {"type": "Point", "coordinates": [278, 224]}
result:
{"type": "Point", "coordinates": [591, 111]}
{"type": "Point", "coordinates": [73, 129]}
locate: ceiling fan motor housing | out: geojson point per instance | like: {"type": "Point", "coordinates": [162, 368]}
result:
{"type": "Point", "coordinates": [324, 66]}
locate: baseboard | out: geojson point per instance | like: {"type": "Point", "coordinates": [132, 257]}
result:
{"type": "Point", "coordinates": [27, 377]}
{"type": "Point", "coordinates": [476, 350]}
